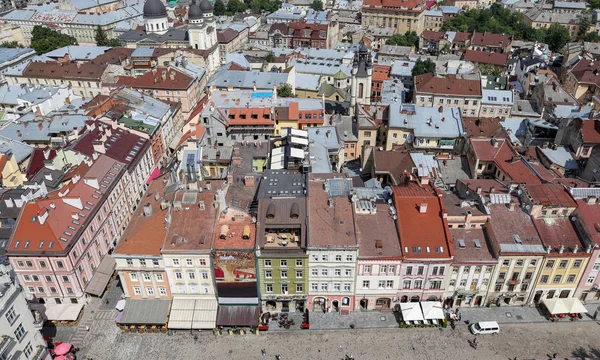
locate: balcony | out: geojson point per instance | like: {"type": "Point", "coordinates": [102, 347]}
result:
{"type": "Point", "coordinates": [40, 353]}
{"type": "Point", "coordinates": [4, 342]}
{"type": "Point", "coordinates": [514, 282]}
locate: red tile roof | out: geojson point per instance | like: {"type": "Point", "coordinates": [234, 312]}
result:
{"type": "Point", "coordinates": [69, 71]}
{"type": "Point", "coordinates": [449, 85]}
{"type": "Point", "coordinates": [381, 72]}
{"type": "Point", "coordinates": [159, 79]}
{"type": "Point", "coordinates": [54, 223]}
{"type": "Point", "coordinates": [590, 130]}
{"type": "Point", "coordinates": [549, 194]}
{"type": "Point", "coordinates": [505, 159]}
{"type": "Point", "coordinates": [225, 36]}
{"type": "Point", "coordinates": [590, 215]}
{"type": "Point", "coordinates": [489, 39]}
{"type": "Point", "coordinates": [432, 35]}
{"type": "Point", "coordinates": [585, 71]}
{"type": "Point", "coordinates": [234, 239]}
{"type": "Point", "coordinates": [506, 225]}
{"type": "Point", "coordinates": [422, 234]}
{"type": "Point", "coordinates": [37, 161]}
{"type": "Point", "coordinates": [145, 234]}
{"type": "Point", "coordinates": [484, 57]}
{"type": "Point", "coordinates": [486, 127]}
{"type": "Point", "coordinates": [329, 226]}
{"type": "Point", "coordinates": [487, 149]}
{"type": "Point", "coordinates": [470, 253]}
{"type": "Point", "coordinates": [555, 232]}
{"type": "Point", "coordinates": [377, 235]}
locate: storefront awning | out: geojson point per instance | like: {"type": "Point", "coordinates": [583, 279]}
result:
{"type": "Point", "coordinates": [200, 313]}
{"type": "Point", "coordinates": [153, 175]}
{"type": "Point", "coordinates": [58, 312]}
{"type": "Point", "coordinates": [238, 315]}
{"type": "Point", "coordinates": [102, 276]}
{"type": "Point", "coordinates": [432, 310]}
{"type": "Point", "coordinates": [555, 306]}
{"type": "Point", "coordinates": [145, 312]}
{"type": "Point", "coordinates": [574, 306]}
{"type": "Point", "coordinates": [411, 312]}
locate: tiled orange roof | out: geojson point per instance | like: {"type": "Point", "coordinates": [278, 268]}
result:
{"type": "Point", "coordinates": [51, 224]}
{"type": "Point", "coordinates": [448, 85]}
{"type": "Point", "coordinates": [236, 228]}
{"type": "Point", "coordinates": [329, 226]}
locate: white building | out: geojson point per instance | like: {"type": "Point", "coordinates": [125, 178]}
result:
{"type": "Point", "coordinates": [496, 103]}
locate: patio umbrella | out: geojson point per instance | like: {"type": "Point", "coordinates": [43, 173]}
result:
{"type": "Point", "coordinates": [63, 349]}
{"type": "Point", "coordinates": [61, 357]}
{"type": "Point", "coordinates": [574, 305]}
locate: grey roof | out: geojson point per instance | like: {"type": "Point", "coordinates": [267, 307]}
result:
{"type": "Point", "coordinates": [10, 54]}
{"type": "Point", "coordinates": [326, 136]}
{"type": "Point", "coordinates": [78, 53]}
{"type": "Point", "coordinates": [170, 35]}
{"type": "Point", "coordinates": [27, 131]}
{"type": "Point", "coordinates": [395, 50]}
{"type": "Point", "coordinates": [37, 95]}
{"type": "Point", "coordinates": [246, 79]}
{"type": "Point", "coordinates": [52, 178]}
{"type": "Point", "coordinates": [450, 9]}
{"type": "Point", "coordinates": [497, 97]}
{"type": "Point", "coordinates": [433, 13]}
{"type": "Point", "coordinates": [67, 122]}
{"type": "Point", "coordinates": [526, 108]}
{"type": "Point", "coordinates": [19, 150]}
{"type": "Point", "coordinates": [10, 93]}
{"type": "Point", "coordinates": [319, 158]}
{"type": "Point", "coordinates": [316, 17]}
{"type": "Point", "coordinates": [307, 81]}
{"type": "Point", "coordinates": [427, 121]}
{"type": "Point", "coordinates": [570, 5]}
{"type": "Point", "coordinates": [154, 9]}
{"type": "Point", "coordinates": [572, 112]}
{"type": "Point", "coordinates": [584, 193]}
{"type": "Point", "coordinates": [540, 15]}
{"type": "Point", "coordinates": [561, 156]}
{"type": "Point", "coordinates": [206, 6]}
{"type": "Point", "coordinates": [520, 248]}
{"type": "Point", "coordinates": [142, 52]}
{"type": "Point", "coordinates": [145, 312]}
{"type": "Point", "coordinates": [320, 67]}
{"type": "Point", "coordinates": [402, 68]}
{"type": "Point", "coordinates": [194, 11]}
{"type": "Point", "coordinates": [275, 183]}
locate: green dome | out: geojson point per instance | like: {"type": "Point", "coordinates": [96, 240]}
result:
{"type": "Point", "coordinates": [340, 75]}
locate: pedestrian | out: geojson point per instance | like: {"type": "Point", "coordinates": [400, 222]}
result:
{"type": "Point", "coordinates": [264, 352]}
{"type": "Point", "coordinates": [106, 301]}
{"type": "Point", "coordinates": [554, 355]}
{"type": "Point", "coordinates": [196, 338]}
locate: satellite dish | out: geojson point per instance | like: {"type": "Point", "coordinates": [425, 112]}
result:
{"type": "Point", "coordinates": [573, 218]}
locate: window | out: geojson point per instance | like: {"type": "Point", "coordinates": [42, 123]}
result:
{"type": "Point", "coordinates": [367, 269]}
{"type": "Point", "coordinates": [498, 287]}
{"type": "Point", "coordinates": [365, 284]}
{"type": "Point", "coordinates": [137, 290]}
{"type": "Point", "coordinates": [524, 287]}
{"type": "Point", "coordinates": [202, 262]}
{"type": "Point", "coordinates": [284, 288]}
{"type": "Point", "coordinates": [337, 272]}
{"type": "Point", "coordinates": [162, 291]}
{"type": "Point", "coordinates": [463, 283]}
{"type": "Point", "coordinates": [418, 284]}
{"type": "Point", "coordinates": [189, 262]}
{"type": "Point", "coordinates": [283, 274]}
{"type": "Point", "coordinates": [191, 275]}
{"type": "Point", "coordinates": [381, 284]}
{"type": "Point", "coordinates": [337, 287]}
{"type": "Point", "coordinates": [324, 287]}
{"type": "Point", "coordinates": [178, 275]}
{"type": "Point", "coordinates": [435, 284]}
{"type": "Point", "coordinates": [268, 274]}
{"type": "Point", "coordinates": [43, 264]}
{"type": "Point", "coordinates": [349, 258]}
{"type": "Point", "coordinates": [283, 263]}
{"type": "Point", "coordinates": [348, 272]}
{"type": "Point", "coordinates": [597, 266]}
{"type": "Point", "coordinates": [409, 270]}
{"type": "Point", "coordinates": [577, 264]}
{"type": "Point", "coordinates": [392, 269]}
{"type": "Point", "coordinates": [315, 272]}
{"type": "Point", "coordinates": [142, 262]}
{"type": "Point", "coordinates": [324, 272]}
{"type": "Point", "coordinates": [544, 279]}
{"type": "Point", "coordinates": [19, 332]}
{"type": "Point", "coordinates": [267, 263]}
{"type": "Point", "coordinates": [315, 257]}
{"type": "Point", "coordinates": [69, 290]}
{"type": "Point", "coordinates": [389, 284]}
{"type": "Point", "coordinates": [159, 277]}
{"type": "Point", "coordinates": [420, 270]}
{"type": "Point", "coordinates": [298, 262]}
{"type": "Point", "coordinates": [557, 279]}
{"type": "Point", "coordinates": [150, 291]}
{"type": "Point", "coordinates": [133, 276]}
{"type": "Point", "coordinates": [549, 264]}
{"type": "Point", "coordinates": [406, 284]}
{"type": "Point", "coordinates": [533, 263]}
{"type": "Point", "coordinates": [314, 287]}
{"type": "Point", "coordinates": [147, 277]}
{"type": "Point", "coordinates": [11, 315]}
{"type": "Point", "coordinates": [298, 274]}
{"type": "Point", "coordinates": [30, 264]}
{"type": "Point", "coordinates": [338, 258]}
{"type": "Point", "coordinates": [571, 278]}
{"type": "Point", "coordinates": [299, 288]}
{"type": "Point", "coordinates": [519, 263]}
{"type": "Point", "coordinates": [20, 264]}
{"type": "Point", "coordinates": [563, 264]}
{"type": "Point", "coordinates": [28, 350]}
{"type": "Point", "coordinates": [269, 288]}
{"type": "Point", "coordinates": [591, 279]}
{"type": "Point", "coordinates": [175, 262]}
{"type": "Point", "coordinates": [325, 257]}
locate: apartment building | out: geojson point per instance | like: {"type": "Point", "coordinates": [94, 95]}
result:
{"type": "Point", "coordinates": [139, 262]}
{"type": "Point", "coordinates": [456, 91]}
{"type": "Point", "coordinates": [281, 234]}
{"type": "Point", "coordinates": [332, 248]}
{"type": "Point", "coordinates": [230, 41]}
{"type": "Point", "coordinates": [496, 103]}
{"type": "Point", "coordinates": [20, 328]}
{"type": "Point", "coordinates": [404, 17]}
{"type": "Point", "coordinates": [539, 17]}
{"type": "Point", "coordinates": [473, 264]}
{"type": "Point", "coordinates": [379, 254]}
{"type": "Point", "coordinates": [425, 241]}
{"type": "Point", "coordinates": [125, 147]}
{"type": "Point", "coordinates": [587, 217]}
{"type": "Point", "coordinates": [60, 240]}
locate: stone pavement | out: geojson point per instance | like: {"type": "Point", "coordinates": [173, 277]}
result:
{"type": "Point", "coordinates": [356, 320]}
{"type": "Point", "coordinates": [515, 314]}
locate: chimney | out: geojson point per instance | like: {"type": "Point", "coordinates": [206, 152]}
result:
{"type": "Point", "coordinates": [8, 202]}
{"type": "Point", "coordinates": [591, 200]}
{"type": "Point", "coordinates": [164, 75]}
{"type": "Point", "coordinates": [561, 249]}
{"type": "Point", "coordinates": [554, 87]}
{"type": "Point", "coordinates": [545, 145]}
{"type": "Point", "coordinates": [469, 216]}
{"type": "Point", "coordinates": [512, 205]}
{"type": "Point", "coordinates": [492, 189]}
{"type": "Point", "coordinates": [99, 146]}
{"type": "Point", "coordinates": [91, 126]}
{"type": "Point", "coordinates": [423, 207]}
{"type": "Point", "coordinates": [424, 180]}
{"type": "Point", "coordinates": [172, 75]}
{"type": "Point", "coordinates": [43, 216]}
{"type": "Point", "coordinates": [328, 133]}
{"type": "Point", "coordinates": [249, 181]}
{"type": "Point", "coordinates": [236, 151]}
{"type": "Point", "coordinates": [147, 209]}
{"type": "Point", "coordinates": [479, 190]}
{"type": "Point", "coordinates": [588, 249]}
{"type": "Point", "coordinates": [441, 109]}
{"type": "Point", "coordinates": [575, 249]}
{"type": "Point", "coordinates": [19, 133]}
{"type": "Point", "coordinates": [254, 87]}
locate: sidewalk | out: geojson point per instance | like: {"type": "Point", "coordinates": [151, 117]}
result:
{"type": "Point", "coordinates": [514, 314]}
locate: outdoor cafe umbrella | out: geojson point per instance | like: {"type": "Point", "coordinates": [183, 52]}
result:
{"type": "Point", "coordinates": [61, 357]}
{"type": "Point", "coordinates": [63, 349]}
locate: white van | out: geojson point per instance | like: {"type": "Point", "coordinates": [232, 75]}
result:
{"type": "Point", "coordinates": [485, 327]}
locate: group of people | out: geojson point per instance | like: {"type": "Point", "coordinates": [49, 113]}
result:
{"type": "Point", "coordinates": [264, 353]}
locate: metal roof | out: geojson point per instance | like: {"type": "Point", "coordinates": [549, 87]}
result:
{"type": "Point", "coordinates": [145, 312]}
{"type": "Point", "coordinates": [584, 193]}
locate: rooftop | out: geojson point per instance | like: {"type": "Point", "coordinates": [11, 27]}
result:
{"type": "Point", "coordinates": [455, 206]}
{"type": "Point", "coordinates": [557, 232]}
{"type": "Point", "coordinates": [427, 121]}
{"type": "Point", "coordinates": [471, 246]}
{"type": "Point", "coordinates": [158, 78]}
{"type": "Point", "coordinates": [146, 231]}
{"type": "Point", "coordinates": [331, 223]}
{"type": "Point", "coordinates": [281, 184]}
{"type": "Point", "coordinates": [376, 233]}
{"type": "Point", "coordinates": [548, 195]}
{"type": "Point", "coordinates": [513, 231]}
{"type": "Point", "coordinates": [281, 223]}
{"type": "Point", "coordinates": [485, 57]}
{"type": "Point", "coordinates": [448, 85]}
{"type": "Point", "coordinates": [490, 39]}
{"type": "Point", "coordinates": [237, 228]}
{"type": "Point", "coordinates": [393, 163]}
{"type": "Point", "coordinates": [424, 232]}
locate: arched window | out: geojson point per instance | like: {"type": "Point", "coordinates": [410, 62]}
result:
{"type": "Point", "coordinates": [360, 90]}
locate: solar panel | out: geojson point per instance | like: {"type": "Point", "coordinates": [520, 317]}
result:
{"type": "Point", "coordinates": [339, 187]}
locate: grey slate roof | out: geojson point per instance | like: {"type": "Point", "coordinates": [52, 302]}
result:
{"type": "Point", "coordinates": [20, 151]}
{"type": "Point", "coordinates": [145, 312]}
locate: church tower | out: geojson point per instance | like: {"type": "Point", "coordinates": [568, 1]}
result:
{"type": "Point", "coordinates": [362, 73]}
{"type": "Point", "coordinates": [155, 17]}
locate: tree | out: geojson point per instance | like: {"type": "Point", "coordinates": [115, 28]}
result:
{"type": "Point", "coordinates": [270, 58]}
{"type": "Point", "coordinates": [235, 6]}
{"type": "Point", "coordinates": [44, 39]}
{"type": "Point", "coordinates": [265, 5]}
{"type": "Point", "coordinates": [219, 8]}
{"type": "Point", "coordinates": [490, 70]}
{"type": "Point", "coordinates": [407, 39]}
{"type": "Point", "coordinates": [591, 37]}
{"type": "Point", "coordinates": [423, 67]}
{"type": "Point", "coordinates": [114, 43]}
{"type": "Point", "coordinates": [557, 37]}
{"type": "Point", "coordinates": [285, 90]}
{"type": "Point", "coordinates": [594, 4]}
{"type": "Point", "coordinates": [584, 20]}
{"type": "Point", "coordinates": [11, 44]}
{"type": "Point", "coordinates": [317, 5]}
{"type": "Point", "coordinates": [101, 37]}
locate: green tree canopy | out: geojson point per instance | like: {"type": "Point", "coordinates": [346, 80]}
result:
{"type": "Point", "coordinates": [285, 90]}
{"type": "Point", "coordinates": [10, 44]}
{"type": "Point", "coordinates": [557, 37]}
{"type": "Point", "coordinates": [594, 4]}
{"type": "Point", "coordinates": [101, 37]}
{"type": "Point", "coordinates": [407, 39]}
{"type": "Point", "coordinates": [584, 21]}
{"type": "Point", "coordinates": [490, 70]}
{"type": "Point", "coordinates": [114, 43]}
{"type": "Point", "coordinates": [317, 5]}
{"type": "Point", "coordinates": [270, 57]}
{"type": "Point", "coordinates": [423, 67]}
{"type": "Point", "coordinates": [235, 6]}
{"type": "Point", "coordinates": [44, 39]}
{"type": "Point", "coordinates": [219, 8]}
{"type": "Point", "coordinates": [265, 5]}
